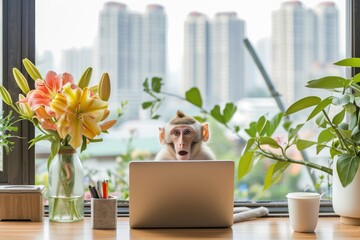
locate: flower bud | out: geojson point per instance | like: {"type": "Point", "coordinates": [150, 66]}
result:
{"type": "Point", "coordinates": [21, 81]}
{"type": "Point", "coordinates": [85, 78]}
{"type": "Point", "coordinates": [107, 125]}
{"type": "Point", "coordinates": [104, 87]}
{"type": "Point", "coordinates": [31, 69]}
{"type": "Point", "coordinates": [105, 115]}
{"type": "Point", "coordinates": [5, 96]}
{"type": "Point", "coordinates": [24, 107]}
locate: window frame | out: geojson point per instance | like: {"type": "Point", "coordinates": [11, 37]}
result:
{"type": "Point", "coordinates": [18, 43]}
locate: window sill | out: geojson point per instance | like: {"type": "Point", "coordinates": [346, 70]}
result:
{"type": "Point", "coordinates": [276, 208]}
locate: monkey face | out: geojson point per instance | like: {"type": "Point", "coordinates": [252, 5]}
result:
{"type": "Point", "coordinates": [182, 137]}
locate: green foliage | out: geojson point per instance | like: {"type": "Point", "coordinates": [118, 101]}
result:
{"type": "Point", "coordinates": [193, 96]}
{"type": "Point", "coordinates": [7, 129]}
{"type": "Point", "coordinates": [339, 132]}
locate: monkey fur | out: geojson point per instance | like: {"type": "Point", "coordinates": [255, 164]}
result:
{"type": "Point", "coordinates": [184, 139]}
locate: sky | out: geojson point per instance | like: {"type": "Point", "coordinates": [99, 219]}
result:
{"type": "Point", "coordinates": [64, 24]}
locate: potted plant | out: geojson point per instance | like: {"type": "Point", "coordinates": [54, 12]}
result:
{"type": "Point", "coordinates": [337, 116]}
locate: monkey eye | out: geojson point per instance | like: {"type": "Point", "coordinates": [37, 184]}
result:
{"type": "Point", "coordinates": [176, 133]}
{"type": "Point", "coordinates": [187, 132]}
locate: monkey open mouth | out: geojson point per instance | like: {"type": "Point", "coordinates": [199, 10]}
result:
{"type": "Point", "coordinates": [182, 153]}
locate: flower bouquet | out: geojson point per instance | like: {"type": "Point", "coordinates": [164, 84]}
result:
{"type": "Point", "coordinates": [70, 115]}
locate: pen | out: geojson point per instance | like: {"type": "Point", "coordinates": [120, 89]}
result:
{"type": "Point", "coordinates": [98, 188]}
{"type": "Point", "coordinates": [104, 189]}
{"type": "Point", "coordinates": [107, 188]}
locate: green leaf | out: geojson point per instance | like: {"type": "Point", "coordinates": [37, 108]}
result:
{"type": "Point", "coordinates": [200, 119]}
{"type": "Point", "coordinates": [236, 129]}
{"type": "Point", "coordinates": [193, 96]}
{"type": "Point", "coordinates": [269, 141]}
{"type": "Point", "coordinates": [215, 113]}
{"type": "Point", "coordinates": [55, 146]}
{"type": "Point", "coordinates": [249, 144]}
{"type": "Point", "coordinates": [287, 125]}
{"type": "Point", "coordinates": [338, 118]}
{"type": "Point", "coordinates": [330, 82]}
{"type": "Point", "coordinates": [274, 123]}
{"type": "Point", "coordinates": [265, 129]}
{"type": "Point", "coordinates": [350, 108]}
{"type": "Point", "coordinates": [83, 144]}
{"type": "Point", "coordinates": [293, 132]}
{"type": "Point", "coordinates": [357, 101]}
{"type": "Point", "coordinates": [345, 133]}
{"type": "Point", "coordinates": [353, 121]}
{"type": "Point", "coordinates": [261, 123]}
{"type": "Point", "coordinates": [355, 135]}
{"type": "Point", "coordinates": [146, 85]}
{"type": "Point", "coordinates": [251, 131]}
{"type": "Point", "coordinates": [325, 136]}
{"type": "Point", "coordinates": [343, 100]}
{"type": "Point", "coordinates": [333, 153]}
{"type": "Point", "coordinates": [146, 105]}
{"type": "Point", "coordinates": [302, 104]}
{"type": "Point", "coordinates": [38, 138]}
{"type": "Point", "coordinates": [356, 78]}
{"type": "Point", "coordinates": [302, 144]}
{"type": "Point", "coordinates": [269, 177]}
{"type": "Point", "coordinates": [278, 170]}
{"type": "Point", "coordinates": [347, 165]}
{"type": "Point", "coordinates": [245, 164]}
{"type": "Point", "coordinates": [349, 62]}
{"type": "Point", "coordinates": [156, 83]}
{"type": "Point", "coordinates": [154, 117]}
{"type": "Point", "coordinates": [321, 106]}
{"type": "Point", "coordinates": [229, 112]}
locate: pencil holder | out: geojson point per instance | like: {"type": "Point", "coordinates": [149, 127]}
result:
{"type": "Point", "coordinates": [103, 213]}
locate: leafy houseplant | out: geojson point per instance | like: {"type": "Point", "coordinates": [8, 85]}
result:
{"type": "Point", "coordinates": [337, 116]}
{"type": "Point", "coordinates": [70, 115]}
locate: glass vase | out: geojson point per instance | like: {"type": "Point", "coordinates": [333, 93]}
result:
{"type": "Point", "coordinates": [66, 187]}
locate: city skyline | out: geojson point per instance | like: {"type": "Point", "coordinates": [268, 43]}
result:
{"type": "Point", "coordinates": [257, 20]}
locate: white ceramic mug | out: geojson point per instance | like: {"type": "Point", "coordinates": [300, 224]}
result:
{"type": "Point", "coordinates": [303, 210]}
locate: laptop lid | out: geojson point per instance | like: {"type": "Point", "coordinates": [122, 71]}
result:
{"type": "Point", "coordinates": [181, 194]}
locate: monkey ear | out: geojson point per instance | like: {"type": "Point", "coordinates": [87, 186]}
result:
{"type": "Point", "coordinates": [162, 135]}
{"type": "Point", "coordinates": [205, 132]}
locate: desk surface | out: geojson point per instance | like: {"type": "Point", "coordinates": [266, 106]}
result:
{"type": "Point", "coordinates": [262, 228]}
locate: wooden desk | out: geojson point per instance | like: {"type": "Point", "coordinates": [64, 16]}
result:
{"type": "Point", "coordinates": [262, 228]}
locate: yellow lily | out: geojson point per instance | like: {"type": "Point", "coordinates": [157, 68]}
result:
{"type": "Point", "coordinates": [79, 114]}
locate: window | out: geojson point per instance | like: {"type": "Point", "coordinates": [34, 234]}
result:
{"type": "Point", "coordinates": [18, 42]}
{"type": "Point", "coordinates": [132, 14]}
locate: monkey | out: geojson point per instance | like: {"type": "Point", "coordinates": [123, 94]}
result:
{"type": "Point", "coordinates": [184, 139]}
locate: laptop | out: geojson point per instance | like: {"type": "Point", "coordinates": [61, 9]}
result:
{"type": "Point", "coordinates": [181, 194]}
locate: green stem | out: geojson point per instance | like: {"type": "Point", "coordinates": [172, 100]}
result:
{"type": "Point", "coordinates": [301, 162]}
{"type": "Point", "coordinates": [342, 141]}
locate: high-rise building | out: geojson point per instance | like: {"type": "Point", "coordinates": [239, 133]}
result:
{"type": "Point", "coordinates": [328, 32]}
{"type": "Point", "coordinates": [112, 46]}
{"type": "Point", "coordinates": [76, 61]}
{"type": "Point", "coordinates": [196, 53]}
{"type": "Point", "coordinates": [227, 57]}
{"type": "Point", "coordinates": [214, 56]}
{"type": "Point", "coordinates": [131, 47]}
{"type": "Point", "coordinates": [303, 40]}
{"type": "Point", "coordinates": [154, 41]}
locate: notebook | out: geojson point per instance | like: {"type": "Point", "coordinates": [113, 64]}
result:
{"type": "Point", "coordinates": [181, 194]}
